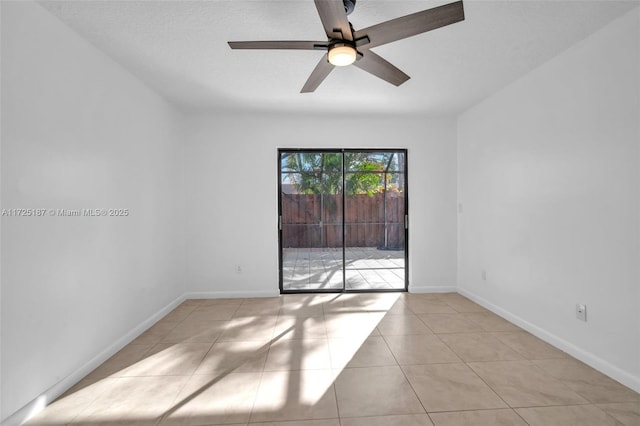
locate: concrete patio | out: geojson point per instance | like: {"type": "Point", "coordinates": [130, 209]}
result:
{"type": "Point", "coordinates": [367, 268]}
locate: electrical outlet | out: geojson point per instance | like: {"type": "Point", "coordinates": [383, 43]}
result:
{"type": "Point", "coordinates": [238, 269]}
{"type": "Point", "coordinates": [484, 275]}
{"type": "Point", "coordinates": [581, 312]}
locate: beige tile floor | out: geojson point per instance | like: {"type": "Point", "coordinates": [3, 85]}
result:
{"type": "Point", "coordinates": [391, 359]}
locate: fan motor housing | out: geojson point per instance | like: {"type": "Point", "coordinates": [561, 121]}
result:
{"type": "Point", "coordinates": [349, 5]}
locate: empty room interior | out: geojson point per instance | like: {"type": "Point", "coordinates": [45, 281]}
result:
{"type": "Point", "coordinates": [320, 212]}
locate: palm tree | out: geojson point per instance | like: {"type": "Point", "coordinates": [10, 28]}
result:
{"type": "Point", "coordinates": [321, 173]}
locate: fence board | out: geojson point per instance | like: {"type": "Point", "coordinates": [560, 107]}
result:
{"type": "Point", "coordinates": [364, 224]}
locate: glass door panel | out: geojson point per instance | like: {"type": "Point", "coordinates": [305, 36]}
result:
{"type": "Point", "coordinates": [375, 220]}
{"type": "Point", "coordinates": [311, 221]}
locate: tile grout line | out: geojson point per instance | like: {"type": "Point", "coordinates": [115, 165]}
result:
{"type": "Point", "coordinates": [151, 346]}
{"type": "Point", "coordinates": [466, 364]}
{"type": "Point", "coordinates": [162, 418]}
{"type": "Point", "coordinates": [405, 376]}
{"type": "Point", "coordinates": [514, 409]}
{"type": "Point", "coordinates": [482, 379]}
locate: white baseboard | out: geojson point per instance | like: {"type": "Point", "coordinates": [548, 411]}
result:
{"type": "Point", "coordinates": [230, 294]}
{"type": "Point", "coordinates": [36, 405]}
{"type": "Point", "coordinates": [433, 289]}
{"type": "Point", "coordinates": [588, 358]}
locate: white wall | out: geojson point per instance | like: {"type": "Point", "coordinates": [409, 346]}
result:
{"type": "Point", "coordinates": [79, 132]}
{"type": "Point", "coordinates": [549, 182]}
{"type": "Point", "coordinates": [231, 185]}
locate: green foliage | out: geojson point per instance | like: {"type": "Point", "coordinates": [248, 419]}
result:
{"type": "Point", "coordinates": [321, 173]}
{"type": "Point", "coordinates": [318, 173]}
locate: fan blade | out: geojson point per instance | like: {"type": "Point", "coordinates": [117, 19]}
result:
{"type": "Point", "coordinates": [284, 44]}
{"type": "Point", "coordinates": [410, 25]}
{"type": "Point", "coordinates": [334, 19]}
{"type": "Point", "coordinates": [380, 67]}
{"type": "Point", "coordinates": [318, 75]}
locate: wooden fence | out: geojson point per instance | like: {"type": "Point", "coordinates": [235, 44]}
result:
{"type": "Point", "coordinates": [316, 222]}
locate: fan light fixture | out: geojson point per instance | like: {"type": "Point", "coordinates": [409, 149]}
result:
{"type": "Point", "coordinates": [342, 55]}
{"type": "Point", "coordinates": [344, 45]}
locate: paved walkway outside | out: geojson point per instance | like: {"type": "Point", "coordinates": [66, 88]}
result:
{"type": "Point", "coordinates": [367, 268]}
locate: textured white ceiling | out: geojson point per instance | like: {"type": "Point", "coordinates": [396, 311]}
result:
{"type": "Point", "coordinates": [179, 48]}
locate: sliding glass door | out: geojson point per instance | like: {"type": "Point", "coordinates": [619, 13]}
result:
{"type": "Point", "coordinates": [342, 217]}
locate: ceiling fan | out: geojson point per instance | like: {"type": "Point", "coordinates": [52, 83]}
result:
{"type": "Point", "coordinates": [345, 46]}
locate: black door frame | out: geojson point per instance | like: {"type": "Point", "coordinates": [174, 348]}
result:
{"type": "Point", "coordinates": [344, 283]}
